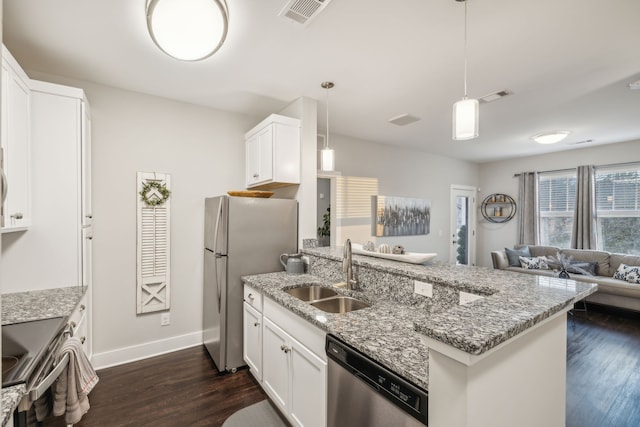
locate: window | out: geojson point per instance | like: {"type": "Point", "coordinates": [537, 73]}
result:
{"type": "Point", "coordinates": [618, 208]}
{"type": "Point", "coordinates": [556, 203]}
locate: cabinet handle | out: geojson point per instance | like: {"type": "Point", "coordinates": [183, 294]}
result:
{"type": "Point", "coordinates": [83, 339]}
{"type": "Point", "coordinates": [73, 324]}
{"type": "Point", "coordinates": [88, 216]}
{"type": "Point", "coordinates": [255, 175]}
{"type": "Point", "coordinates": [251, 297]}
{"type": "Point", "coordinates": [256, 324]}
{"type": "Point", "coordinates": [285, 348]}
{"type": "Point", "coordinates": [82, 307]}
{"type": "Point", "coordinates": [17, 215]}
{"type": "Point", "coordinates": [90, 237]}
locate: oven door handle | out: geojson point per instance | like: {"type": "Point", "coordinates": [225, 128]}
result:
{"type": "Point", "coordinates": [44, 385]}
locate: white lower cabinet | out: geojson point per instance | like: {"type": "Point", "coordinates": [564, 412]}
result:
{"type": "Point", "coordinates": [252, 340]}
{"type": "Point", "coordinates": [294, 366]}
{"type": "Point", "coordinates": [80, 323]}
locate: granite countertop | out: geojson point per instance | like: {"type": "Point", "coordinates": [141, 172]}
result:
{"type": "Point", "coordinates": [389, 332]}
{"type": "Point", "coordinates": [512, 303]}
{"type": "Point", "coordinates": [28, 306]}
{"type": "Point", "coordinates": [383, 331]}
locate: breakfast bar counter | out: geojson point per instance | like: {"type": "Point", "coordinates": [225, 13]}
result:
{"type": "Point", "coordinates": [448, 343]}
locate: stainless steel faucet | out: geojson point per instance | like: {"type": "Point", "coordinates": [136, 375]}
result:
{"type": "Point", "coordinates": [347, 265]}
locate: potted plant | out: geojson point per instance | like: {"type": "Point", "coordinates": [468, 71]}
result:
{"type": "Point", "coordinates": [324, 232]}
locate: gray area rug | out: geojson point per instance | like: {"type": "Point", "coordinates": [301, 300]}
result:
{"type": "Point", "coordinates": [261, 414]}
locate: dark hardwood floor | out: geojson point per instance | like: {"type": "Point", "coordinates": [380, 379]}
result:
{"type": "Point", "coordinates": [185, 389]}
{"type": "Point", "coordinates": [603, 369]}
{"type": "Point", "coordinates": [173, 390]}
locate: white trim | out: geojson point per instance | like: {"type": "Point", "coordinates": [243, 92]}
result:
{"type": "Point", "coordinates": [133, 353]}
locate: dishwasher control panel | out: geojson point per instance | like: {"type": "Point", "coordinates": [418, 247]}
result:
{"type": "Point", "coordinates": [398, 390]}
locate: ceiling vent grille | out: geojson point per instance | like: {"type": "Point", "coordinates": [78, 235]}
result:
{"type": "Point", "coordinates": [302, 11]}
{"type": "Point", "coordinates": [495, 96]}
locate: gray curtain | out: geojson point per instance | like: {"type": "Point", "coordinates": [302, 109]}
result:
{"type": "Point", "coordinates": [583, 235]}
{"type": "Point", "coordinates": [528, 207]}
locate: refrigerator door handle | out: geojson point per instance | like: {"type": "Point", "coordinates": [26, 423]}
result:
{"type": "Point", "coordinates": [217, 254]}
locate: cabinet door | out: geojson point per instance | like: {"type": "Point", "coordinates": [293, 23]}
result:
{"type": "Point", "coordinates": [252, 340]}
{"type": "Point", "coordinates": [252, 156]}
{"type": "Point", "coordinates": [265, 138]}
{"type": "Point", "coordinates": [308, 387]}
{"type": "Point", "coordinates": [15, 145]}
{"type": "Point", "coordinates": [85, 149]}
{"type": "Point", "coordinates": [259, 157]}
{"type": "Point", "coordinates": [275, 364]}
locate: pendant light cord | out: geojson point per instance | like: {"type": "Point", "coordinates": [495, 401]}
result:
{"type": "Point", "coordinates": [465, 49]}
{"type": "Point", "coordinates": [326, 140]}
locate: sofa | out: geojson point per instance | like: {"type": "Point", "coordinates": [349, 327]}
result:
{"type": "Point", "coordinates": [611, 291]}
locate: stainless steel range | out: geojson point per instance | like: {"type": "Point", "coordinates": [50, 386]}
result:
{"type": "Point", "coordinates": [28, 353]}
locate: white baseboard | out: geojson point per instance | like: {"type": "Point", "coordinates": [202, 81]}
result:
{"type": "Point", "coordinates": [143, 351]}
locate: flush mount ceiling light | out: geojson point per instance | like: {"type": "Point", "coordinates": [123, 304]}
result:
{"type": "Point", "coordinates": [189, 30]}
{"type": "Point", "coordinates": [466, 111]}
{"type": "Point", "coordinates": [327, 159]}
{"type": "Point", "coordinates": [550, 137]}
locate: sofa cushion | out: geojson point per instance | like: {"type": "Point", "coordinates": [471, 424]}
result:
{"type": "Point", "coordinates": [616, 259]}
{"type": "Point", "coordinates": [628, 273]}
{"type": "Point", "coordinates": [514, 254]}
{"type": "Point", "coordinates": [609, 285]}
{"type": "Point", "coordinates": [544, 250]}
{"type": "Point", "coordinates": [535, 263]}
{"type": "Point", "coordinates": [588, 267]}
{"type": "Point", "coordinates": [536, 272]}
{"type": "Point", "coordinates": [602, 258]}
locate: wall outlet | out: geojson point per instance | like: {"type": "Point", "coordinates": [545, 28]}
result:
{"type": "Point", "coordinates": [423, 288]}
{"type": "Point", "coordinates": [165, 319]}
{"type": "Point", "coordinates": [466, 298]}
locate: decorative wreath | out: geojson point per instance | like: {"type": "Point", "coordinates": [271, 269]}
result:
{"type": "Point", "coordinates": [147, 188]}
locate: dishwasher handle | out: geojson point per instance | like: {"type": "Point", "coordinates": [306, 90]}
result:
{"type": "Point", "coordinates": [44, 385]}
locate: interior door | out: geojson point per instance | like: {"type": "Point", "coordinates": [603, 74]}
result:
{"type": "Point", "coordinates": [463, 225]}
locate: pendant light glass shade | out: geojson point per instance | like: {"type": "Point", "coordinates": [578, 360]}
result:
{"type": "Point", "coordinates": [327, 162]}
{"type": "Point", "coordinates": [466, 114]}
{"type": "Point", "coordinates": [189, 30]}
{"type": "Point", "coordinates": [327, 159]}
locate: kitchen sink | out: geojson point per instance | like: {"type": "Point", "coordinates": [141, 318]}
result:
{"type": "Point", "coordinates": [326, 299]}
{"type": "Point", "coordinates": [311, 293]}
{"type": "Point", "coordinates": [340, 304]}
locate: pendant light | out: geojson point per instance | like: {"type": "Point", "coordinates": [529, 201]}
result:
{"type": "Point", "coordinates": [465, 111]}
{"type": "Point", "coordinates": [189, 30]}
{"type": "Point", "coordinates": [327, 159]}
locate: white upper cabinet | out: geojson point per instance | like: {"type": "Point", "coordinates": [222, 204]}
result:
{"type": "Point", "coordinates": [273, 153]}
{"type": "Point", "coordinates": [16, 145]}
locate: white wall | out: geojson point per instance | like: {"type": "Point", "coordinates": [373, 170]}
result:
{"type": "Point", "coordinates": [203, 150]}
{"type": "Point", "coordinates": [408, 173]}
{"type": "Point", "coordinates": [498, 177]}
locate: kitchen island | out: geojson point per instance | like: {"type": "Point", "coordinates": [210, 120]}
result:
{"type": "Point", "coordinates": [407, 332]}
{"type": "Point", "coordinates": [28, 306]}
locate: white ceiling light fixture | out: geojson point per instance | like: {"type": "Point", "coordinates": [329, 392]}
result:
{"type": "Point", "coordinates": [550, 137]}
{"type": "Point", "coordinates": [327, 159]}
{"type": "Point", "coordinates": [189, 30]}
{"type": "Point", "coordinates": [466, 112]}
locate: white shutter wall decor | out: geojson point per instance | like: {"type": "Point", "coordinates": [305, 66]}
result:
{"type": "Point", "coordinates": [153, 241]}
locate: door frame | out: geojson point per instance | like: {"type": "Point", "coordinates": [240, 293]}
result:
{"type": "Point", "coordinates": [471, 192]}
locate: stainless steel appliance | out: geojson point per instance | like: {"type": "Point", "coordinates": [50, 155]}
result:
{"type": "Point", "coordinates": [28, 353]}
{"type": "Point", "coordinates": [363, 393]}
{"type": "Point", "coordinates": [243, 236]}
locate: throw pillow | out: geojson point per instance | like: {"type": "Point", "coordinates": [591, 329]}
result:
{"type": "Point", "coordinates": [535, 263]}
{"type": "Point", "coordinates": [630, 273]}
{"type": "Point", "coordinates": [583, 267]}
{"type": "Point", "coordinates": [514, 255]}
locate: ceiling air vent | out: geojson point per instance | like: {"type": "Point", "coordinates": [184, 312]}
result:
{"type": "Point", "coordinates": [302, 11]}
{"type": "Point", "coordinates": [403, 119]}
{"type": "Point", "coordinates": [495, 96]}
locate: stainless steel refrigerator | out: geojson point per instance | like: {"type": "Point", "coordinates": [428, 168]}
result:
{"type": "Point", "coordinates": [243, 236]}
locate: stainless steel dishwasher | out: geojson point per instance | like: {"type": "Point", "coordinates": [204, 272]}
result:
{"type": "Point", "coordinates": [363, 393]}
